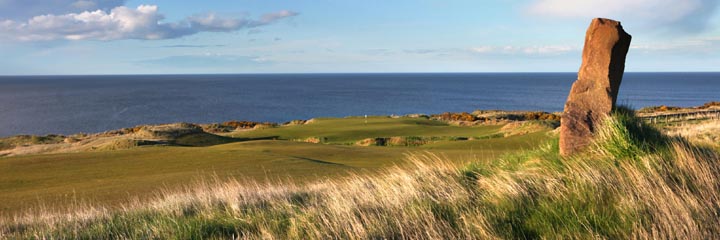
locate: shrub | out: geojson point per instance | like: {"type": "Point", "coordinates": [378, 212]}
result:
{"type": "Point", "coordinates": [247, 124]}
{"type": "Point", "coordinates": [540, 116]}
{"type": "Point", "coordinates": [661, 108]}
{"type": "Point", "coordinates": [463, 116]}
{"type": "Point", "coordinates": [709, 105]}
{"type": "Point", "coordinates": [240, 124]}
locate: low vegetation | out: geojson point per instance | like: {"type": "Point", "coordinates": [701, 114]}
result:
{"type": "Point", "coordinates": [710, 105]}
{"type": "Point", "coordinates": [661, 108]}
{"type": "Point", "coordinates": [112, 170]}
{"type": "Point", "coordinates": [463, 116]}
{"type": "Point", "coordinates": [703, 132]}
{"type": "Point", "coordinates": [21, 140]}
{"type": "Point", "coordinates": [495, 116]}
{"type": "Point", "coordinates": [348, 131]}
{"type": "Point", "coordinates": [633, 182]}
{"type": "Point", "coordinates": [665, 108]}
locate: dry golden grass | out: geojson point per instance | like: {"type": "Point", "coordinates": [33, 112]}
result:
{"type": "Point", "coordinates": [633, 183]}
{"type": "Point", "coordinates": [702, 132]}
{"type": "Point", "coordinates": [408, 203]}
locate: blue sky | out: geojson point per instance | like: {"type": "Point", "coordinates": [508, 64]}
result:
{"type": "Point", "coordinates": [268, 36]}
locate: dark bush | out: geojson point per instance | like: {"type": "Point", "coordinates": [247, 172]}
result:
{"type": "Point", "coordinates": [540, 116]}
{"type": "Point", "coordinates": [710, 104]}
{"type": "Point", "coordinates": [661, 108]}
{"type": "Point", "coordinates": [463, 116]}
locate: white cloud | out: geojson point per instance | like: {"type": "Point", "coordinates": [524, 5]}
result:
{"type": "Point", "coordinates": [672, 15]}
{"type": "Point", "coordinates": [143, 22]}
{"type": "Point", "coordinates": [483, 49]}
{"type": "Point", "coordinates": [24, 9]}
{"type": "Point", "coordinates": [207, 60]}
{"type": "Point", "coordinates": [272, 17]}
{"type": "Point", "coordinates": [531, 50]}
{"type": "Point", "coordinates": [549, 49]}
{"type": "Point", "coordinates": [214, 23]}
{"type": "Point", "coordinates": [688, 46]}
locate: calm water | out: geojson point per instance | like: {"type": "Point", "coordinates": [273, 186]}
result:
{"type": "Point", "coordinates": [71, 104]}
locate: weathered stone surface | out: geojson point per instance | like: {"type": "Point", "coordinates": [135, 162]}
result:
{"type": "Point", "coordinates": [594, 93]}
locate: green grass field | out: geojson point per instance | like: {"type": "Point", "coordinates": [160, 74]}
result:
{"type": "Point", "coordinates": [633, 182]}
{"type": "Point", "coordinates": [114, 177]}
{"type": "Point", "coordinates": [352, 129]}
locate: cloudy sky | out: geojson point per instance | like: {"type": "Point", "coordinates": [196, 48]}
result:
{"type": "Point", "coordinates": [270, 36]}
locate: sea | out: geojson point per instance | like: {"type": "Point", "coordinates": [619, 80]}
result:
{"type": "Point", "coordinates": [42, 105]}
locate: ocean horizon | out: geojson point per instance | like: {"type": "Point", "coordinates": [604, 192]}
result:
{"type": "Point", "coordinates": [67, 104]}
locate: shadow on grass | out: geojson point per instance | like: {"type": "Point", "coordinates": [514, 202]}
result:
{"type": "Point", "coordinates": [208, 139]}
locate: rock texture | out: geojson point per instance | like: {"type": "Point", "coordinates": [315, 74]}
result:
{"type": "Point", "coordinates": [594, 93]}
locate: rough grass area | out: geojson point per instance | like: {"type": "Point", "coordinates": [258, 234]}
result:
{"type": "Point", "coordinates": [633, 182]}
{"type": "Point", "coordinates": [21, 140]}
{"type": "Point", "coordinates": [704, 132]}
{"type": "Point", "coordinates": [109, 176]}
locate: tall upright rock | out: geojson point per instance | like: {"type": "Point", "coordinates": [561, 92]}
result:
{"type": "Point", "coordinates": [594, 93]}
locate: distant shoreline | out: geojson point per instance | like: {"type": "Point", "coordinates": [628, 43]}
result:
{"type": "Point", "coordinates": [324, 73]}
{"type": "Point", "coordinates": [42, 105]}
{"type": "Point", "coordinates": [647, 112]}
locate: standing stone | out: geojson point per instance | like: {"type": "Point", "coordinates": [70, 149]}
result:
{"type": "Point", "coordinates": [594, 93]}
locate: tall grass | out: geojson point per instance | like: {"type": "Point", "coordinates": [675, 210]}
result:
{"type": "Point", "coordinates": [423, 201]}
{"type": "Point", "coordinates": [704, 132]}
{"type": "Point", "coordinates": [633, 183]}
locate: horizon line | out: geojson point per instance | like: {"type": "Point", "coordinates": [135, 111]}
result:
{"type": "Point", "coordinates": [309, 73]}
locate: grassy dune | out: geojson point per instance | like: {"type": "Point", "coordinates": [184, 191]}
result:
{"type": "Point", "coordinates": [109, 178]}
{"type": "Point", "coordinates": [633, 182]}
